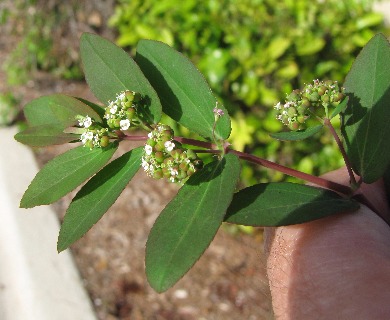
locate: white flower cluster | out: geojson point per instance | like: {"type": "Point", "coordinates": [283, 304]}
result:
{"type": "Point", "coordinates": [313, 99]}
{"type": "Point", "coordinates": [94, 135]}
{"type": "Point", "coordinates": [165, 158]}
{"type": "Point", "coordinates": [121, 112]}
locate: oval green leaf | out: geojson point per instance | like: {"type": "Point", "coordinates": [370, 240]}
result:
{"type": "Point", "coordinates": [297, 135]}
{"type": "Point", "coordinates": [44, 135]}
{"type": "Point", "coordinates": [64, 173]}
{"type": "Point", "coordinates": [366, 121]}
{"type": "Point", "coordinates": [183, 91]}
{"type": "Point", "coordinates": [109, 70]}
{"type": "Point", "coordinates": [283, 203]}
{"type": "Point", "coordinates": [57, 109]}
{"type": "Point", "coordinates": [97, 196]}
{"type": "Point", "coordinates": [189, 222]}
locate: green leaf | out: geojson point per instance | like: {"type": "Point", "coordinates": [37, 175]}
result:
{"type": "Point", "coordinates": [64, 173]}
{"type": "Point", "coordinates": [44, 135]}
{"type": "Point", "coordinates": [340, 107]}
{"type": "Point", "coordinates": [297, 135]}
{"type": "Point", "coordinates": [189, 222]}
{"type": "Point", "coordinates": [110, 70]}
{"type": "Point", "coordinates": [57, 109]}
{"type": "Point", "coordinates": [284, 203]}
{"type": "Point", "coordinates": [97, 196]}
{"type": "Point", "coordinates": [366, 121]}
{"type": "Point", "coordinates": [98, 109]}
{"type": "Point", "coordinates": [184, 93]}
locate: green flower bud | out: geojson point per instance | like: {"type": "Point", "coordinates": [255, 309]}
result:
{"type": "Point", "coordinates": [340, 96]}
{"type": "Point", "coordinates": [159, 146]}
{"type": "Point", "coordinates": [183, 166]}
{"type": "Point", "coordinates": [294, 126]}
{"type": "Point", "coordinates": [305, 102]}
{"type": "Point", "coordinates": [182, 175]}
{"type": "Point", "coordinates": [291, 111]}
{"type": "Point", "coordinates": [104, 141]}
{"type": "Point", "coordinates": [159, 156]}
{"type": "Point", "coordinates": [89, 144]}
{"type": "Point", "coordinates": [325, 98]}
{"type": "Point", "coordinates": [301, 119]}
{"type": "Point", "coordinates": [314, 97]}
{"type": "Point", "coordinates": [158, 173]}
{"type": "Point", "coordinates": [301, 110]}
{"type": "Point", "coordinates": [166, 172]}
{"type": "Point", "coordinates": [130, 113]}
{"type": "Point", "coordinates": [322, 90]}
{"type": "Point", "coordinates": [116, 123]}
{"type": "Point", "coordinates": [151, 142]}
{"type": "Point", "coordinates": [190, 172]}
{"type": "Point", "coordinates": [176, 153]}
{"type": "Point", "coordinates": [168, 161]}
{"type": "Point", "coordinates": [129, 95]}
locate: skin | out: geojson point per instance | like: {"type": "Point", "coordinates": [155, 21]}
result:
{"type": "Point", "coordinates": [333, 268]}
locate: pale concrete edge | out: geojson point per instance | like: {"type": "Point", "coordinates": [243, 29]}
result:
{"type": "Point", "coordinates": [35, 281]}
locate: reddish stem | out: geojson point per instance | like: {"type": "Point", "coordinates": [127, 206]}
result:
{"type": "Point", "coordinates": [133, 138]}
{"type": "Point", "coordinates": [193, 142]}
{"type": "Point", "coordinates": [294, 173]}
{"type": "Point", "coordinates": [342, 150]}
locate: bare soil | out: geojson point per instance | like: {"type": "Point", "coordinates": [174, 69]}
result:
{"type": "Point", "coordinates": [228, 282]}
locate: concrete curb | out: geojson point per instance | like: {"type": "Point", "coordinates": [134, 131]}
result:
{"type": "Point", "coordinates": [36, 283]}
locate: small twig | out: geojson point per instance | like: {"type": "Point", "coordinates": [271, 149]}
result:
{"type": "Point", "coordinates": [342, 150]}
{"type": "Point", "coordinates": [197, 143]}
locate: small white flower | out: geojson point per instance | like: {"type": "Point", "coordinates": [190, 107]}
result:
{"type": "Point", "coordinates": [113, 108]}
{"type": "Point", "coordinates": [86, 136]}
{"type": "Point", "coordinates": [174, 172]}
{"type": "Point", "coordinates": [148, 149]}
{"type": "Point", "coordinates": [87, 122]}
{"type": "Point", "coordinates": [277, 106]}
{"type": "Point", "coordinates": [150, 135]}
{"type": "Point", "coordinates": [169, 145]}
{"type": "Point", "coordinates": [124, 124]}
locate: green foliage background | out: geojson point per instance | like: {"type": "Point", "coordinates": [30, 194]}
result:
{"type": "Point", "coordinates": [252, 53]}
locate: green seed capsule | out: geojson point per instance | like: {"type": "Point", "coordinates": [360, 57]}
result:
{"type": "Point", "coordinates": [339, 97]}
{"type": "Point", "coordinates": [130, 113]}
{"type": "Point", "coordinates": [166, 172]}
{"type": "Point", "coordinates": [314, 97]}
{"type": "Point", "coordinates": [129, 95]}
{"type": "Point", "coordinates": [89, 144]}
{"type": "Point", "coordinates": [176, 153]}
{"type": "Point", "coordinates": [104, 141]}
{"type": "Point", "coordinates": [159, 156]}
{"type": "Point", "coordinates": [325, 98]}
{"type": "Point", "coordinates": [159, 146]}
{"type": "Point", "coordinates": [301, 119]}
{"type": "Point", "coordinates": [151, 142]}
{"type": "Point", "coordinates": [291, 112]}
{"type": "Point", "coordinates": [182, 175]}
{"type": "Point", "coordinates": [116, 123]}
{"type": "Point", "coordinates": [294, 126]}
{"type": "Point", "coordinates": [322, 90]}
{"type": "Point", "coordinates": [183, 166]}
{"type": "Point", "coordinates": [158, 174]}
{"type": "Point", "coordinates": [306, 103]}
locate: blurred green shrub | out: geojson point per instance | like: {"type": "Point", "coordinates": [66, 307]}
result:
{"type": "Point", "coordinates": [39, 27]}
{"type": "Point", "coordinates": [8, 108]}
{"type": "Point", "coordinates": [253, 52]}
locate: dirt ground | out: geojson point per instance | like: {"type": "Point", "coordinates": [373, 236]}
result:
{"type": "Point", "coordinates": [228, 282]}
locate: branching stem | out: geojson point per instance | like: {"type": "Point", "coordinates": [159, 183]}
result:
{"type": "Point", "coordinates": [212, 149]}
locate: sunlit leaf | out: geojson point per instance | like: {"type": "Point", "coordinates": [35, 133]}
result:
{"type": "Point", "coordinates": [184, 93]}
{"type": "Point", "coordinates": [97, 196]}
{"type": "Point", "coordinates": [366, 121]}
{"type": "Point", "coordinates": [110, 70]}
{"type": "Point", "coordinates": [44, 135]}
{"type": "Point", "coordinates": [283, 203]}
{"type": "Point", "coordinates": [64, 173]}
{"type": "Point", "coordinates": [189, 222]}
{"type": "Point", "coordinates": [57, 109]}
